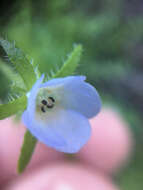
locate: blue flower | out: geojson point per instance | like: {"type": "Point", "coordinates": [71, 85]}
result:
{"type": "Point", "coordinates": [58, 111]}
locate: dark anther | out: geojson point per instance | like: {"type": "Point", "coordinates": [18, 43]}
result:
{"type": "Point", "coordinates": [51, 98]}
{"type": "Point", "coordinates": [50, 106]}
{"type": "Point", "coordinates": [42, 109]}
{"type": "Point", "coordinates": [44, 102]}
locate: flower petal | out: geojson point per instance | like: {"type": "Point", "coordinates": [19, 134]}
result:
{"type": "Point", "coordinates": [40, 131]}
{"type": "Point", "coordinates": [77, 94]}
{"type": "Point", "coordinates": [67, 131]}
{"type": "Point", "coordinates": [33, 93]}
{"type": "Point", "coordinates": [62, 81]}
{"type": "Point", "coordinates": [82, 97]}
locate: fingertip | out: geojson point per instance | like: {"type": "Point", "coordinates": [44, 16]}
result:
{"type": "Point", "coordinates": [11, 139]}
{"type": "Point", "coordinates": [63, 176]}
{"type": "Point", "coordinates": [111, 142]}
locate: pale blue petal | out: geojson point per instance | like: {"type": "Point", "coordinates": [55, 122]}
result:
{"type": "Point", "coordinates": [65, 127]}
{"type": "Point", "coordinates": [82, 97]}
{"type": "Point", "coordinates": [77, 95]}
{"type": "Point", "coordinates": [63, 81]}
{"type": "Point", "coordinates": [41, 132]}
{"type": "Point", "coordinates": [67, 132]}
{"type": "Point", "coordinates": [33, 93]}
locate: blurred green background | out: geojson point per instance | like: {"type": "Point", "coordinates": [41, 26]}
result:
{"type": "Point", "coordinates": [111, 32]}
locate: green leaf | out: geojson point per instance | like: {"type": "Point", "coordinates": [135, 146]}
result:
{"type": "Point", "coordinates": [15, 89]}
{"type": "Point", "coordinates": [20, 62]}
{"type": "Point", "coordinates": [13, 107]}
{"type": "Point", "coordinates": [26, 151]}
{"type": "Point", "coordinates": [71, 63]}
{"type": "Point", "coordinates": [17, 81]}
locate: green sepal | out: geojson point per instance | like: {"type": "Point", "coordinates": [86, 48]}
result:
{"type": "Point", "coordinates": [22, 65]}
{"type": "Point", "coordinates": [71, 63]}
{"type": "Point", "coordinates": [13, 107]}
{"type": "Point", "coordinates": [26, 151]}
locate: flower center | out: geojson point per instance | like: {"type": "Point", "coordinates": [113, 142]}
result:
{"type": "Point", "coordinates": [49, 103]}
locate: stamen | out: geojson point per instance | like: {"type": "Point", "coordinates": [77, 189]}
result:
{"type": "Point", "coordinates": [51, 102]}
{"type": "Point", "coordinates": [44, 102]}
{"type": "Point", "coordinates": [42, 109]}
{"type": "Point", "coordinates": [48, 103]}
{"type": "Point", "coordinates": [50, 106]}
{"type": "Point", "coordinates": [51, 98]}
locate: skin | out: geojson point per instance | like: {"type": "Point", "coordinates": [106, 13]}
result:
{"type": "Point", "coordinates": [111, 139]}
{"type": "Point", "coordinates": [52, 170]}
